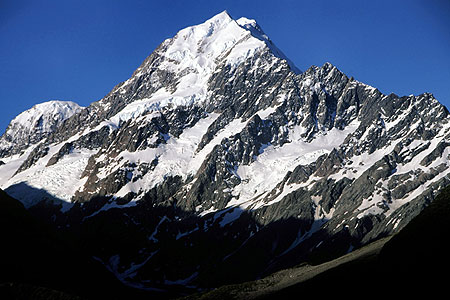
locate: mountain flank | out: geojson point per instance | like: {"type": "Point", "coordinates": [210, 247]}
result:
{"type": "Point", "coordinates": [412, 261]}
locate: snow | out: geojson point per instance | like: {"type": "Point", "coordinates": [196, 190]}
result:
{"type": "Point", "coordinates": [393, 121]}
{"type": "Point", "coordinates": [417, 192]}
{"type": "Point", "coordinates": [40, 119]}
{"type": "Point", "coordinates": [194, 54]}
{"type": "Point", "coordinates": [263, 114]}
{"type": "Point", "coordinates": [230, 216]}
{"type": "Point", "coordinates": [182, 234]}
{"type": "Point", "coordinates": [12, 164]}
{"type": "Point", "coordinates": [358, 164]}
{"type": "Point", "coordinates": [198, 47]}
{"type": "Point", "coordinates": [60, 180]}
{"type": "Point", "coordinates": [415, 165]}
{"type": "Point", "coordinates": [183, 282]}
{"type": "Point", "coordinates": [363, 162]}
{"type": "Point", "coordinates": [177, 157]}
{"type": "Point", "coordinates": [208, 211]}
{"type": "Point", "coordinates": [249, 24]}
{"type": "Point", "coordinates": [370, 206]}
{"type": "Point", "coordinates": [277, 161]}
{"type": "Point", "coordinates": [137, 108]}
{"type": "Point", "coordinates": [258, 33]}
{"type": "Point", "coordinates": [110, 205]}
{"type": "Point", "coordinates": [60, 110]}
{"type": "Point", "coordinates": [113, 265]}
{"type": "Point", "coordinates": [152, 236]}
{"type": "Point", "coordinates": [132, 270]}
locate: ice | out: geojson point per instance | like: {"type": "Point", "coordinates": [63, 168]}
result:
{"type": "Point", "coordinates": [61, 180]}
{"type": "Point", "coordinates": [12, 164]}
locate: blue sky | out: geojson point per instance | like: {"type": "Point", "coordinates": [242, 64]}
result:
{"type": "Point", "coordinates": [78, 50]}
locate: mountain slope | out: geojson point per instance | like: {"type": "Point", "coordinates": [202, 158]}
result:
{"type": "Point", "coordinates": [219, 146]}
{"type": "Point", "coordinates": [37, 262]}
{"type": "Point", "coordinates": [412, 261]}
{"type": "Point", "coordinates": [417, 256]}
{"type": "Point", "coordinates": [33, 253]}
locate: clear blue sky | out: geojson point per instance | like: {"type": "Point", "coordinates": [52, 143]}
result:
{"type": "Point", "coordinates": [78, 50]}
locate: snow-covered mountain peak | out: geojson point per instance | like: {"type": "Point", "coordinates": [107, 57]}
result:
{"type": "Point", "coordinates": [252, 26]}
{"type": "Point", "coordinates": [37, 122]}
{"type": "Point", "coordinates": [257, 32]}
{"type": "Point", "coordinates": [200, 46]}
{"type": "Point", "coordinates": [181, 67]}
{"type": "Point", "coordinates": [57, 108]}
{"type": "Point", "coordinates": [222, 17]}
{"type": "Point", "coordinates": [35, 117]}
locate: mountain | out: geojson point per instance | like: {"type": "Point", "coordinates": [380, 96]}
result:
{"type": "Point", "coordinates": [219, 162]}
{"type": "Point", "coordinates": [35, 124]}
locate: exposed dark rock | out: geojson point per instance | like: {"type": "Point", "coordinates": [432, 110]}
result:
{"type": "Point", "coordinates": [38, 152]}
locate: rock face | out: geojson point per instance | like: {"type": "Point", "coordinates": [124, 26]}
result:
{"type": "Point", "coordinates": [218, 161]}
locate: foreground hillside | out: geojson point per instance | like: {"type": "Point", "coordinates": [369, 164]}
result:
{"type": "Point", "coordinates": [36, 262]}
{"type": "Point", "coordinates": [415, 260]}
